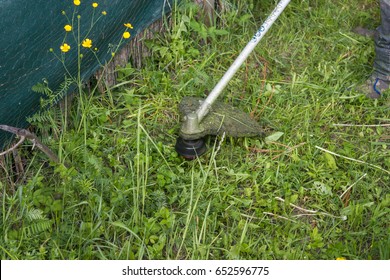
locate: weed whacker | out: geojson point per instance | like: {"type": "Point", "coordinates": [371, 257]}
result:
{"type": "Point", "coordinates": [208, 117]}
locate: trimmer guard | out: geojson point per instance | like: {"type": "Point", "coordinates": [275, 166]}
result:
{"type": "Point", "coordinates": [222, 118]}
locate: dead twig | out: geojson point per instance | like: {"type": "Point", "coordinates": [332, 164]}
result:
{"type": "Point", "coordinates": [297, 207]}
{"type": "Point", "coordinates": [13, 147]}
{"type": "Point", "coordinates": [311, 212]}
{"type": "Point", "coordinates": [362, 125]}
{"type": "Point", "coordinates": [350, 187]}
{"type": "Point", "coordinates": [25, 134]}
{"type": "Point", "coordinates": [264, 151]}
{"type": "Point", "coordinates": [355, 160]}
{"type": "Point", "coordinates": [18, 163]}
{"type": "Point", "coordinates": [278, 216]}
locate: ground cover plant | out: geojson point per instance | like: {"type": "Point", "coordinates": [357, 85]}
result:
{"type": "Point", "coordinates": [316, 188]}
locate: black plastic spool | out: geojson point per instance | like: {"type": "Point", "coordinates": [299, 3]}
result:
{"type": "Point", "coordinates": [190, 149]}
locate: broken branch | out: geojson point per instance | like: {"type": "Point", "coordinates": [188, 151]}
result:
{"type": "Point", "coordinates": [25, 134]}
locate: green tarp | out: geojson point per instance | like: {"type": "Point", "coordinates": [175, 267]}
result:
{"type": "Point", "coordinates": [28, 29]}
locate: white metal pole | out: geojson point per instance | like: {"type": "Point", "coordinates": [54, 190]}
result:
{"type": "Point", "coordinates": [205, 106]}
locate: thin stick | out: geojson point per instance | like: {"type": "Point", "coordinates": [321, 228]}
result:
{"type": "Point", "coordinates": [297, 207]}
{"type": "Point", "coordinates": [18, 163]}
{"type": "Point", "coordinates": [304, 215]}
{"type": "Point", "coordinates": [362, 125]}
{"type": "Point", "coordinates": [256, 150]}
{"type": "Point", "coordinates": [22, 138]}
{"type": "Point", "coordinates": [311, 212]}
{"type": "Point", "coordinates": [355, 160]}
{"type": "Point", "coordinates": [278, 216]}
{"type": "Point", "coordinates": [350, 187]}
{"type": "Point", "coordinates": [344, 218]}
{"type": "Point", "coordinates": [23, 133]}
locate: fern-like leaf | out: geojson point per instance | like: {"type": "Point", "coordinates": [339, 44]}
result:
{"type": "Point", "coordinates": [53, 97]}
{"type": "Point", "coordinates": [35, 222]}
{"type": "Point", "coordinates": [36, 227]}
{"type": "Point", "coordinates": [39, 117]}
{"type": "Point", "coordinates": [34, 214]}
{"type": "Point", "coordinates": [42, 88]}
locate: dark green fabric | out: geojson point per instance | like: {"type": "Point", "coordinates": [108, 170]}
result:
{"type": "Point", "coordinates": [28, 29]}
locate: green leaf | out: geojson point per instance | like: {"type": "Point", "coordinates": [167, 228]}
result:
{"type": "Point", "coordinates": [330, 160]}
{"type": "Point", "coordinates": [273, 137]}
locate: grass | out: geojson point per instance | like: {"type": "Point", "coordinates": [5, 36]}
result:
{"type": "Point", "coordinates": [320, 191]}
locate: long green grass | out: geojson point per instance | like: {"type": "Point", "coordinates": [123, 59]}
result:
{"type": "Point", "coordinates": [320, 191]}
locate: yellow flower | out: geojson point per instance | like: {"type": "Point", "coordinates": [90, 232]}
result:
{"type": "Point", "coordinates": [340, 259]}
{"type": "Point", "coordinates": [104, 13]}
{"type": "Point", "coordinates": [65, 47]}
{"type": "Point", "coordinates": [87, 43]}
{"type": "Point", "coordinates": [68, 28]}
{"type": "Point", "coordinates": [76, 2]}
{"type": "Point", "coordinates": [128, 25]}
{"type": "Point", "coordinates": [126, 35]}
{"type": "Point", "coordinates": [94, 4]}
